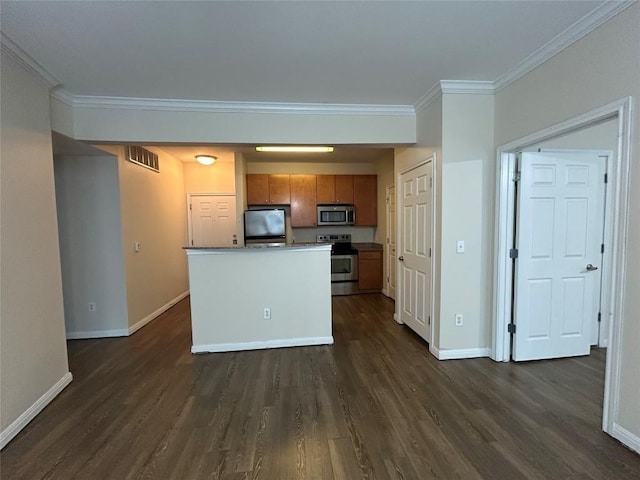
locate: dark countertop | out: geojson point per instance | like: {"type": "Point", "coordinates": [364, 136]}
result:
{"type": "Point", "coordinates": [368, 246]}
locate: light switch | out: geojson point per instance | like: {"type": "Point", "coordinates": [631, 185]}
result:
{"type": "Point", "coordinates": [460, 246]}
{"type": "Point", "coordinates": [136, 246]}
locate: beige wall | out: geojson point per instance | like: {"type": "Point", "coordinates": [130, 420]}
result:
{"type": "Point", "coordinates": [33, 358]}
{"type": "Point", "coordinates": [89, 220]}
{"type": "Point", "coordinates": [231, 288]}
{"type": "Point", "coordinates": [216, 178]}
{"type": "Point", "coordinates": [429, 134]}
{"type": "Point", "coordinates": [468, 165]}
{"type": "Point", "coordinates": [155, 126]}
{"type": "Point", "coordinates": [153, 210]}
{"type": "Point", "coordinates": [602, 67]}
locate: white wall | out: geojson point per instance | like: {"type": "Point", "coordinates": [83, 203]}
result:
{"type": "Point", "coordinates": [89, 223]}
{"type": "Point", "coordinates": [468, 165]}
{"type": "Point", "coordinates": [33, 358]}
{"type": "Point", "coordinates": [230, 289]}
{"type": "Point", "coordinates": [601, 67]}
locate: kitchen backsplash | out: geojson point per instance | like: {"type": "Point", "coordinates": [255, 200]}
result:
{"type": "Point", "coordinates": [358, 234]}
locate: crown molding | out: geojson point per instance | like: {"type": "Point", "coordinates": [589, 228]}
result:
{"type": "Point", "coordinates": [27, 62]}
{"type": "Point", "coordinates": [575, 32]}
{"type": "Point", "coordinates": [467, 87]}
{"type": "Point", "coordinates": [156, 104]}
{"type": "Point", "coordinates": [453, 86]}
{"type": "Point", "coordinates": [428, 98]}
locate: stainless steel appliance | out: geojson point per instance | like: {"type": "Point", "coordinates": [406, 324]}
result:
{"type": "Point", "coordinates": [264, 227]}
{"type": "Point", "coordinates": [344, 264]}
{"type": "Point", "coordinates": [336, 215]}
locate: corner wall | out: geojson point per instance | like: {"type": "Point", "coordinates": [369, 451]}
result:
{"type": "Point", "coordinates": [33, 351]}
{"type": "Point", "coordinates": [88, 203]}
{"type": "Point", "coordinates": [602, 67]}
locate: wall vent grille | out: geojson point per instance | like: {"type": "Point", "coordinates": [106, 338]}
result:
{"type": "Point", "coordinates": [142, 157]}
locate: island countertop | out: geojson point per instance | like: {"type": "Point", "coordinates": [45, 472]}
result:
{"type": "Point", "coordinates": [264, 246]}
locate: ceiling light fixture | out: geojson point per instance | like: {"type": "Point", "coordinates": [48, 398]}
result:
{"type": "Point", "coordinates": [206, 159]}
{"type": "Point", "coordinates": [294, 149]}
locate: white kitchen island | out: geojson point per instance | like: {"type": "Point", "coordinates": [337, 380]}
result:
{"type": "Point", "coordinates": [231, 287]}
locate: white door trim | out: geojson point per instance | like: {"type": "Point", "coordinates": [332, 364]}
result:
{"type": "Point", "coordinates": [399, 239]}
{"type": "Point", "coordinates": [617, 197]}
{"type": "Point", "coordinates": [387, 261]}
{"type": "Point", "coordinates": [189, 221]}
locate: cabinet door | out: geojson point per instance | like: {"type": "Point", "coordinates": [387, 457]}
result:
{"type": "Point", "coordinates": [257, 189]}
{"type": "Point", "coordinates": [303, 200]}
{"type": "Point", "coordinates": [365, 199]}
{"type": "Point", "coordinates": [326, 189]}
{"type": "Point", "coordinates": [279, 190]}
{"type": "Point", "coordinates": [344, 188]}
{"type": "Point", "coordinates": [370, 270]}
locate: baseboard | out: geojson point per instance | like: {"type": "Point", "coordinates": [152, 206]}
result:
{"type": "Point", "coordinates": [435, 351]}
{"type": "Point", "coordinates": [457, 354]}
{"type": "Point", "coordinates": [123, 332]}
{"type": "Point", "coordinates": [152, 316]}
{"type": "Point", "coordinates": [23, 420]}
{"type": "Point", "coordinates": [625, 436]}
{"type": "Point", "coordinates": [235, 347]}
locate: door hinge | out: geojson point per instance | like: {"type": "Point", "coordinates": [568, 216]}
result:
{"type": "Point", "coordinates": [430, 182]}
{"type": "Point", "coordinates": [429, 320]}
{"type": "Point", "coordinates": [516, 176]}
{"type": "Point", "coordinates": [513, 253]}
{"type": "Point", "coordinates": [602, 248]}
{"type": "Point", "coordinates": [511, 328]}
{"type": "Point", "coordinates": [599, 317]}
{"type": "Point", "coordinates": [606, 178]}
{"type": "Point", "coordinates": [429, 251]}
{"type": "Point", "coordinates": [192, 243]}
{"type": "Point", "coordinates": [190, 207]}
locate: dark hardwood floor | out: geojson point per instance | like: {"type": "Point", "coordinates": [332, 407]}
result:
{"type": "Point", "coordinates": [374, 405]}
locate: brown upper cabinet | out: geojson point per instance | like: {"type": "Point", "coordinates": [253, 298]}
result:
{"type": "Point", "coordinates": [365, 200]}
{"type": "Point", "coordinates": [303, 200]}
{"type": "Point", "coordinates": [263, 189]}
{"type": "Point", "coordinates": [334, 189]}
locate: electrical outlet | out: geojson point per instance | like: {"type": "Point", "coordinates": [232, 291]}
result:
{"type": "Point", "coordinates": [459, 320]}
{"type": "Point", "coordinates": [92, 306]}
{"type": "Point", "coordinates": [267, 314]}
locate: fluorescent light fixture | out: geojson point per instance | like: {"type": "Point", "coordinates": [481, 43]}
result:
{"type": "Point", "coordinates": [206, 159]}
{"type": "Point", "coordinates": [294, 149]}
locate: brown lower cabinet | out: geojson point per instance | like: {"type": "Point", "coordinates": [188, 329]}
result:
{"type": "Point", "coordinates": [370, 271]}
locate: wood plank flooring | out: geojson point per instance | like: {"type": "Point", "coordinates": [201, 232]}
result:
{"type": "Point", "coordinates": [376, 405]}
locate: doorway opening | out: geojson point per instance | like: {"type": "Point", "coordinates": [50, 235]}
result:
{"type": "Point", "coordinates": [615, 228]}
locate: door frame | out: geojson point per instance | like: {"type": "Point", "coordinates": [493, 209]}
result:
{"type": "Point", "coordinates": [400, 238]}
{"type": "Point", "coordinates": [190, 222]}
{"type": "Point", "coordinates": [616, 198]}
{"type": "Point", "coordinates": [387, 260]}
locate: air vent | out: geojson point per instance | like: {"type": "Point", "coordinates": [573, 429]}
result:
{"type": "Point", "coordinates": [142, 157]}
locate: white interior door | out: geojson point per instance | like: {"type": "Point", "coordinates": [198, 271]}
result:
{"type": "Point", "coordinates": [212, 220]}
{"type": "Point", "coordinates": [559, 232]}
{"type": "Point", "coordinates": [414, 265]}
{"type": "Point", "coordinates": [391, 242]}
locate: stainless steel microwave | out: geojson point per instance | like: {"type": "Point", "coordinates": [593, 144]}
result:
{"type": "Point", "coordinates": [336, 215]}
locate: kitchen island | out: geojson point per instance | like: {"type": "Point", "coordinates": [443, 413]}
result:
{"type": "Point", "coordinates": [254, 297]}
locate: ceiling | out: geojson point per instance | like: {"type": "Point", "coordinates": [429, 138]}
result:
{"type": "Point", "coordinates": [349, 52]}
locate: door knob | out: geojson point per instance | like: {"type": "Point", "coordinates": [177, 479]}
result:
{"type": "Point", "coordinates": [591, 268]}
{"type": "Point", "coordinates": [401, 258]}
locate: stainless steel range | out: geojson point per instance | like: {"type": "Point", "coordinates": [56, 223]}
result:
{"type": "Point", "coordinates": [344, 263]}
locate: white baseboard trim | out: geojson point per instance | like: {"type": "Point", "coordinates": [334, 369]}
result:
{"type": "Point", "coordinates": [23, 420]}
{"type": "Point", "coordinates": [287, 342]}
{"type": "Point", "coordinates": [123, 332]}
{"type": "Point", "coordinates": [152, 316]}
{"type": "Point", "coordinates": [460, 353]}
{"type": "Point", "coordinates": [625, 436]}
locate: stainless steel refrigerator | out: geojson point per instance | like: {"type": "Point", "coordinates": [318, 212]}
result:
{"type": "Point", "coordinates": [264, 226]}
